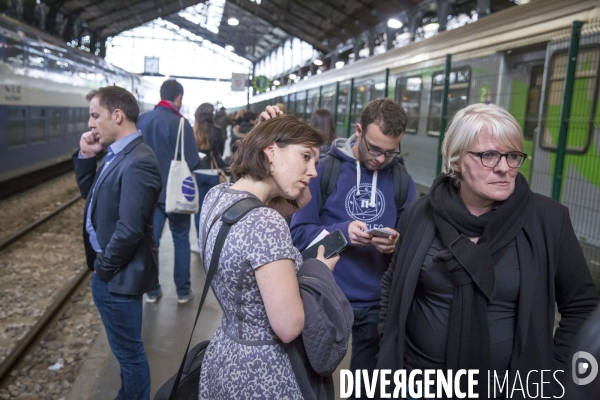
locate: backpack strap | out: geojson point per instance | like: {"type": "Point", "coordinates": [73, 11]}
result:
{"type": "Point", "coordinates": [331, 173]}
{"type": "Point", "coordinates": [232, 215]}
{"type": "Point", "coordinates": [400, 177]}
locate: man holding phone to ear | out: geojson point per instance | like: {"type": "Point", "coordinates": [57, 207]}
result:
{"type": "Point", "coordinates": [363, 200]}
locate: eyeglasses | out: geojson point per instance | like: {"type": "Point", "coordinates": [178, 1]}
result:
{"type": "Point", "coordinates": [492, 158]}
{"type": "Point", "coordinates": [377, 153]}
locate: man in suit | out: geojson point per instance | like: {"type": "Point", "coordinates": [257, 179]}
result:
{"type": "Point", "coordinates": [121, 196]}
{"type": "Point", "coordinates": [159, 128]}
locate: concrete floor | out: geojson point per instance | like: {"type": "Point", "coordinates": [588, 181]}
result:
{"type": "Point", "coordinates": [166, 330]}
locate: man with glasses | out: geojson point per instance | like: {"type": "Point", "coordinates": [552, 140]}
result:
{"type": "Point", "coordinates": [363, 199]}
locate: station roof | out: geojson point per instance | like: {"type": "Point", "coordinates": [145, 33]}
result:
{"type": "Point", "coordinates": [263, 25]}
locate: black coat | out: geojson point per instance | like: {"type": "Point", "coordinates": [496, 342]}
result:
{"type": "Point", "coordinates": [553, 270]}
{"type": "Point", "coordinates": [122, 209]}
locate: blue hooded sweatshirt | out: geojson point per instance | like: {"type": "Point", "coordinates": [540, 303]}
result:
{"type": "Point", "coordinates": [360, 194]}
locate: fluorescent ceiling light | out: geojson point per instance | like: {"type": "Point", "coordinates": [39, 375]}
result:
{"type": "Point", "coordinates": [339, 64]}
{"type": "Point", "coordinates": [292, 76]}
{"type": "Point", "coordinates": [394, 23]}
{"type": "Point", "coordinates": [276, 82]}
{"type": "Point", "coordinates": [233, 21]}
{"type": "Point", "coordinates": [318, 62]}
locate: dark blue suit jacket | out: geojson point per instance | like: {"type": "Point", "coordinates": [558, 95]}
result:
{"type": "Point", "coordinates": [122, 209]}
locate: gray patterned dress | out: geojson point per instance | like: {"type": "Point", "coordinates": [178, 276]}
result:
{"type": "Point", "coordinates": [245, 359]}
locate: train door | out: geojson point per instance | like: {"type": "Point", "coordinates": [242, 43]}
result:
{"type": "Point", "coordinates": [523, 79]}
{"type": "Point", "coordinates": [580, 177]}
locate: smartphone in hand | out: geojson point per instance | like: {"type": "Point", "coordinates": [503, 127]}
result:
{"type": "Point", "coordinates": [334, 243]}
{"type": "Point", "coordinates": [383, 233]}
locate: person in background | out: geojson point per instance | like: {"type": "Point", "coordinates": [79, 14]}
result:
{"type": "Point", "coordinates": [121, 196]}
{"type": "Point", "coordinates": [159, 128]}
{"type": "Point", "coordinates": [222, 120]}
{"type": "Point", "coordinates": [239, 131]}
{"type": "Point", "coordinates": [480, 266]}
{"type": "Point", "coordinates": [209, 141]}
{"type": "Point", "coordinates": [364, 198]}
{"type": "Point", "coordinates": [322, 120]}
{"type": "Point", "coordinates": [256, 283]}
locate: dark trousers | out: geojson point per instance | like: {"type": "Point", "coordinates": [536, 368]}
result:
{"type": "Point", "coordinates": [180, 230]}
{"type": "Point", "coordinates": [365, 341]}
{"type": "Point", "coordinates": [122, 319]}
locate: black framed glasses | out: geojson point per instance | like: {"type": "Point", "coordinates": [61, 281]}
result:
{"type": "Point", "coordinates": [377, 153]}
{"type": "Point", "coordinates": [492, 158]}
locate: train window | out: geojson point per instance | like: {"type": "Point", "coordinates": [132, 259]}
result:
{"type": "Point", "coordinates": [13, 48]}
{"type": "Point", "coordinates": [458, 96]}
{"type": "Point", "coordinates": [583, 107]}
{"type": "Point", "coordinates": [342, 110]}
{"type": "Point", "coordinates": [55, 128]}
{"type": "Point", "coordinates": [35, 60]}
{"type": "Point", "coordinates": [84, 116]}
{"type": "Point", "coordinates": [377, 91]}
{"type": "Point", "coordinates": [301, 105]}
{"type": "Point", "coordinates": [408, 95]}
{"type": "Point", "coordinates": [17, 118]}
{"type": "Point", "coordinates": [59, 64]}
{"type": "Point", "coordinates": [37, 125]}
{"type": "Point", "coordinates": [71, 119]}
{"type": "Point", "coordinates": [534, 96]}
{"type": "Point", "coordinates": [313, 102]}
{"type": "Point", "coordinates": [361, 98]}
{"type": "Point", "coordinates": [328, 98]}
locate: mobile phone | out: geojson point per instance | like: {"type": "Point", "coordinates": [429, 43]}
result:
{"type": "Point", "coordinates": [380, 233]}
{"type": "Point", "coordinates": [334, 244]}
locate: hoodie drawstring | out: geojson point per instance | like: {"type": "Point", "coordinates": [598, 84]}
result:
{"type": "Point", "coordinates": [373, 190]}
{"type": "Point", "coordinates": [372, 202]}
{"type": "Point", "coordinates": [357, 178]}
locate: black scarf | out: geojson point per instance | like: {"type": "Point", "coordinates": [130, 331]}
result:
{"type": "Point", "coordinates": [472, 265]}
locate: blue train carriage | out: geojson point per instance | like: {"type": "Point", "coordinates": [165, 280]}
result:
{"type": "Point", "coordinates": [43, 110]}
{"type": "Point", "coordinates": [515, 58]}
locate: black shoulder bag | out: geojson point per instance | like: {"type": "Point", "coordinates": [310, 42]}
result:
{"type": "Point", "coordinates": [185, 383]}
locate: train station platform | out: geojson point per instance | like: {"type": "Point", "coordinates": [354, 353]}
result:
{"type": "Point", "coordinates": [166, 329]}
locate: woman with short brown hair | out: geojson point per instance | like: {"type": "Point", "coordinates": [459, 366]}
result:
{"type": "Point", "coordinates": [256, 282]}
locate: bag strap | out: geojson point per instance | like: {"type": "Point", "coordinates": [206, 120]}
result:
{"type": "Point", "coordinates": [331, 173]}
{"type": "Point", "coordinates": [179, 137]}
{"type": "Point", "coordinates": [213, 162]}
{"type": "Point", "coordinates": [232, 215]}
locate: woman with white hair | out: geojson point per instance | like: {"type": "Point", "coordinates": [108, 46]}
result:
{"type": "Point", "coordinates": [480, 264]}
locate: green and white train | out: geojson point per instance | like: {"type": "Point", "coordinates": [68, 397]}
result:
{"type": "Point", "coordinates": [516, 58]}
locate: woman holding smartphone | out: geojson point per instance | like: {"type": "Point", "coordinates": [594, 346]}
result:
{"type": "Point", "coordinates": [256, 282]}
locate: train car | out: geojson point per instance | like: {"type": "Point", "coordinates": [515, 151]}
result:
{"type": "Point", "coordinates": [515, 58]}
{"type": "Point", "coordinates": [43, 109]}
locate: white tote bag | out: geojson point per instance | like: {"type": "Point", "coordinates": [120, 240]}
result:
{"type": "Point", "coordinates": [182, 190]}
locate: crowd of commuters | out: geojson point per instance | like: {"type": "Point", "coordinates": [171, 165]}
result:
{"type": "Point", "coordinates": [465, 277]}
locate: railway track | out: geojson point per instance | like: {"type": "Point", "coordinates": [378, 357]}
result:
{"type": "Point", "coordinates": [21, 183]}
{"type": "Point", "coordinates": [23, 344]}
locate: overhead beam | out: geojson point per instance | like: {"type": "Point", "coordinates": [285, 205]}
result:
{"type": "Point", "coordinates": [324, 31]}
{"type": "Point", "coordinates": [293, 30]}
{"type": "Point", "coordinates": [116, 22]}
